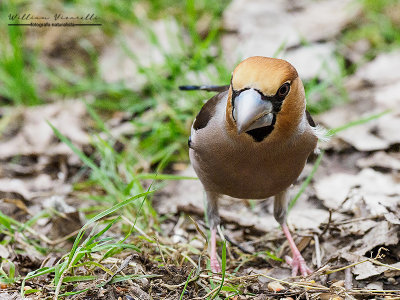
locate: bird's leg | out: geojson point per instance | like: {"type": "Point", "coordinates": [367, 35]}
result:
{"type": "Point", "coordinates": [215, 267]}
{"type": "Point", "coordinates": [213, 220]}
{"type": "Point", "coordinates": [297, 262]}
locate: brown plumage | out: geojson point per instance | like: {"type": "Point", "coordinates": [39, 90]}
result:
{"type": "Point", "coordinates": [252, 141]}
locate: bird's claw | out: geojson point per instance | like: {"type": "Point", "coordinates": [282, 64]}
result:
{"type": "Point", "coordinates": [298, 264]}
{"type": "Point", "coordinates": [215, 267]}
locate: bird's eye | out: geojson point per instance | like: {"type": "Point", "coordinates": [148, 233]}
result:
{"type": "Point", "coordinates": [284, 90]}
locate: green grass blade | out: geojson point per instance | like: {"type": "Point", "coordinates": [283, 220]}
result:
{"type": "Point", "coordinates": [164, 177]}
{"type": "Point", "coordinates": [307, 181]}
{"type": "Point", "coordinates": [113, 246]}
{"type": "Point", "coordinates": [361, 121]}
{"type": "Point", "coordinates": [185, 286]}
{"type": "Point", "coordinates": [102, 215]}
{"type": "Point", "coordinates": [86, 160]}
{"type": "Point", "coordinates": [120, 278]}
{"type": "Point", "coordinates": [79, 278]}
{"type": "Point", "coordinates": [116, 207]}
{"type": "Point", "coordinates": [97, 119]}
{"type": "Point", "coordinates": [101, 232]}
{"type": "Point", "coordinates": [33, 274]}
{"type": "Point", "coordinates": [223, 262]}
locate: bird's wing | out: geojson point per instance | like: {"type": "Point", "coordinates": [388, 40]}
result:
{"type": "Point", "coordinates": [310, 119]}
{"type": "Point", "coordinates": [320, 133]}
{"type": "Point", "coordinates": [207, 111]}
{"type": "Point", "coordinates": [208, 88]}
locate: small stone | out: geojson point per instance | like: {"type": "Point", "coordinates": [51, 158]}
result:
{"type": "Point", "coordinates": [391, 280]}
{"type": "Point", "coordinates": [339, 283]}
{"type": "Point", "coordinates": [197, 244]}
{"type": "Point", "coordinates": [375, 286]}
{"type": "Point", "coordinates": [4, 252]}
{"type": "Point", "coordinates": [329, 296]}
{"type": "Point", "coordinates": [275, 286]}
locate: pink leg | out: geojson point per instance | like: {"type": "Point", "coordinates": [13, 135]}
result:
{"type": "Point", "coordinates": [215, 267]}
{"type": "Point", "coordinates": [297, 262]}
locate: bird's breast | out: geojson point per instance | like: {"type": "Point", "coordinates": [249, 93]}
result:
{"type": "Point", "coordinates": [237, 166]}
{"type": "Point", "coordinates": [235, 169]}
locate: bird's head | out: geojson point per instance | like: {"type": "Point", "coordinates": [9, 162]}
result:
{"type": "Point", "coordinates": [266, 97]}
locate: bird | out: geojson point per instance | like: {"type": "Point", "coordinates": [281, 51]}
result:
{"type": "Point", "coordinates": [252, 141]}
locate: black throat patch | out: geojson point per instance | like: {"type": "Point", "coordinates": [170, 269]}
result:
{"type": "Point", "coordinates": [259, 134]}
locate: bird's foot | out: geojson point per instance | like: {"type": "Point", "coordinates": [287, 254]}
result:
{"type": "Point", "coordinates": [298, 264]}
{"type": "Point", "coordinates": [215, 267]}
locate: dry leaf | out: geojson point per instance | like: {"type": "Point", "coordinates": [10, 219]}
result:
{"type": "Point", "coordinates": [372, 191]}
{"type": "Point", "coordinates": [383, 234]}
{"type": "Point", "coordinates": [381, 159]}
{"type": "Point", "coordinates": [379, 72]}
{"type": "Point", "coordinates": [35, 137]}
{"type": "Point", "coordinates": [116, 62]}
{"type": "Point", "coordinates": [295, 22]}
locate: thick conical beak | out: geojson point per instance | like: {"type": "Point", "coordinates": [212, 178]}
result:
{"type": "Point", "coordinates": [251, 112]}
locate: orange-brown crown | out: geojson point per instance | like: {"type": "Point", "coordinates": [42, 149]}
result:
{"type": "Point", "coordinates": [263, 73]}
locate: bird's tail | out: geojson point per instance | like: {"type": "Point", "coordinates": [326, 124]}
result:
{"type": "Point", "coordinates": [208, 88]}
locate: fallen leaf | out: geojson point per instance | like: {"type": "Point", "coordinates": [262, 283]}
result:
{"type": "Point", "coordinates": [383, 234]}
{"type": "Point", "coordinates": [4, 253]}
{"type": "Point", "coordinates": [375, 286]}
{"type": "Point", "coordinates": [116, 62]}
{"type": "Point", "coordinates": [373, 191]}
{"type": "Point", "coordinates": [379, 71]}
{"type": "Point", "coordinates": [367, 270]}
{"type": "Point", "coordinates": [381, 159]}
{"type": "Point", "coordinates": [38, 186]}
{"type": "Point", "coordinates": [35, 137]}
{"type": "Point", "coordinates": [295, 22]}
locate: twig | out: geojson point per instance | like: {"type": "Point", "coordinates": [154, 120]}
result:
{"type": "Point", "coordinates": [346, 267]}
{"type": "Point", "coordinates": [317, 251]}
{"type": "Point", "coordinates": [348, 279]}
{"type": "Point", "coordinates": [347, 221]}
{"type": "Point", "coordinates": [328, 224]}
{"type": "Point", "coordinates": [230, 240]}
{"type": "Point", "coordinates": [237, 245]}
{"type": "Point", "coordinates": [374, 261]}
{"type": "Point", "coordinates": [63, 239]}
{"type": "Point", "coordinates": [361, 262]}
{"type": "Point", "coordinates": [124, 264]}
{"type": "Point", "coordinates": [198, 229]}
{"type": "Point", "coordinates": [210, 293]}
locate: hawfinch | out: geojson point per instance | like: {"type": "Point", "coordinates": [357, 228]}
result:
{"type": "Point", "coordinates": [252, 140]}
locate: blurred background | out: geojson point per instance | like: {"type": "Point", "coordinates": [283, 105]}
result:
{"type": "Point", "coordinates": [133, 63]}
{"type": "Point", "coordinates": [90, 115]}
